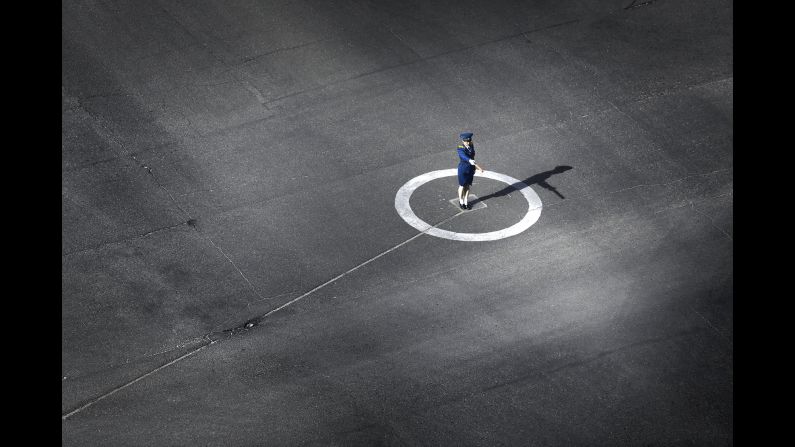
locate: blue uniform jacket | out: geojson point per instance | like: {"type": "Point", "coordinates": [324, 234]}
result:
{"type": "Point", "coordinates": [466, 171]}
{"type": "Point", "coordinates": [465, 155]}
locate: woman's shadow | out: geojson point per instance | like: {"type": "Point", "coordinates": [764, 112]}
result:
{"type": "Point", "coordinates": [539, 179]}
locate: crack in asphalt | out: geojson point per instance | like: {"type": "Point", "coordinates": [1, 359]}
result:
{"type": "Point", "coordinates": [254, 91]}
{"type": "Point", "coordinates": [711, 221]}
{"type": "Point", "coordinates": [248, 59]}
{"type": "Point", "coordinates": [717, 331]}
{"type": "Point", "coordinates": [168, 228]}
{"type": "Point", "coordinates": [192, 223]}
{"type": "Point", "coordinates": [127, 239]}
{"type": "Point", "coordinates": [217, 247]}
{"type": "Point", "coordinates": [633, 5]}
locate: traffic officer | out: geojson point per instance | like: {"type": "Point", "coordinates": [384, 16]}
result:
{"type": "Point", "coordinates": [466, 169]}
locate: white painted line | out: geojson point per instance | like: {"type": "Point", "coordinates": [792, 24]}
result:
{"type": "Point", "coordinates": [354, 269]}
{"type": "Point", "coordinates": [119, 388]}
{"type": "Point", "coordinates": [404, 208]}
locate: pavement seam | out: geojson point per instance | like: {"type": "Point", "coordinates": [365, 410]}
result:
{"type": "Point", "coordinates": [202, 235]}
{"type": "Point", "coordinates": [717, 331]}
{"type": "Point", "coordinates": [633, 5]}
{"type": "Point", "coordinates": [261, 317]}
{"type": "Point", "coordinates": [141, 377]}
{"type": "Point", "coordinates": [190, 220]}
{"type": "Point", "coordinates": [253, 289]}
{"type": "Point", "coordinates": [119, 241]}
{"type": "Point", "coordinates": [251, 322]}
{"type": "Point", "coordinates": [711, 221]}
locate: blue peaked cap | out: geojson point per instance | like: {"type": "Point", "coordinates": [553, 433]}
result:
{"type": "Point", "coordinates": [466, 135]}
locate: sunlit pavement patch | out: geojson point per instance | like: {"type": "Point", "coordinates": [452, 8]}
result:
{"type": "Point", "coordinates": [404, 208]}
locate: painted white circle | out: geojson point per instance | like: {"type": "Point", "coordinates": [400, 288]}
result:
{"type": "Point", "coordinates": [404, 209]}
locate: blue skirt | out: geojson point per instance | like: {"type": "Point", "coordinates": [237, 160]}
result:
{"type": "Point", "coordinates": [466, 172]}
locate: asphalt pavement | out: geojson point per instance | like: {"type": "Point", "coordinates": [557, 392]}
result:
{"type": "Point", "coordinates": [235, 271]}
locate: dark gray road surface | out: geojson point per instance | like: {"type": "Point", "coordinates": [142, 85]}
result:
{"type": "Point", "coordinates": [223, 159]}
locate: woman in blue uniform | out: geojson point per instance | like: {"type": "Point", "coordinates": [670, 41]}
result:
{"type": "Point", "coordinates": [466, 169]}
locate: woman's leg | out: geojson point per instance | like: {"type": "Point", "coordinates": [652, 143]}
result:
{"type": "Point", "coordinates": [460, 195]}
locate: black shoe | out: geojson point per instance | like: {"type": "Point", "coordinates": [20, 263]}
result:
{"type": "Point", "coordinates": [468, 206]}
{"type": "Point", "coordinates": [462, 206]}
